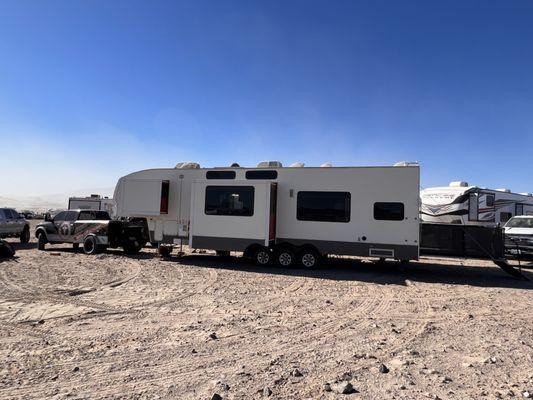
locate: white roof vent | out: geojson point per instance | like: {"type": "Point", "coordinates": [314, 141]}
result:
{"type": "Point", "coordinates": [326, 165]}
{"type": "Point", "coordinates": [458, 184]}
{"type": "Point", "coordinates": [504, 190]}
{"type": "Point", "coordinates": [269, 164]}
{"type": "Point", "coordinates": [526, 194]}
{"type": "Point", "coordinates": [406, 164]}
{"type": "Point", "coordinates": [187, 165]}
{"type": "Point", "coordinates": [297, 165]}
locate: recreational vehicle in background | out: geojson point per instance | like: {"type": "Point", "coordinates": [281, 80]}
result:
{"type": "Point", "coordinates": [93, 202]}
{"type": "Point", "coordinates": [462, 204]}
{"type": "Point", "coordinates": [286, 215]}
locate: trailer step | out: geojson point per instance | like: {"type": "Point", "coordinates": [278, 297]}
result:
{"type": "Point", "coordinates": [503, 264]}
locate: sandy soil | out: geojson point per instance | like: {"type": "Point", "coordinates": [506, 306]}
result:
{"type": "Point", "coordinates": [111, 326]}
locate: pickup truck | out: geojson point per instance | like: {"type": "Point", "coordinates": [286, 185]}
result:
{"type": "Point", "coordinates": [519, 237]}
{"type": "Point", "coordinates": [12, 224]}
{"type": "Point", "coordinates": [94, 230]}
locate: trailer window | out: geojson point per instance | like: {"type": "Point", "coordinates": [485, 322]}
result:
{"type": "Point", "coordinates": [270, 174]}
{"type": "Point", "coordinates": [229, 200]}
{"type": "Point", "coordinates": [519, 209]}
{"type": "Point", "coordinates": [220, 175]}
{"type": "Point", "coordinates": [389, 211]}
{"type": "Point", "coordinates": [165, 187]}
{"type": "Point", "coordinates": [490, 200]}
{"type": "Point", "coordinates": [505, 216]}
{"type": "Point", "coordinates": [323, 206]}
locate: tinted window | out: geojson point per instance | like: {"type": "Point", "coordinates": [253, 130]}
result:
{"type": "Point", "coordinates": [229, 200]}
{"type": "Point", "coordinates": [71, 215]}
{"type": "Point", "coordinates": [93, 215]}
{"type": "Point", "coordinates": [323, 206]}
{"type": "Point", "coordinates": [505, 216]}
{"type": "Point", "coordinates": [261, 174]}
{"type": "Point", "coordinates": [2, 215]}
{"type": "Point", "coordinates": [220, 175]}
{"type": "Point", "coordinates": [60, 216]}
{"type": "Point", "coordinates": [389, 211]}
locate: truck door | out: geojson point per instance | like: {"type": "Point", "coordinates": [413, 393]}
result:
{"type": "Point", "coordinates": [66, 229]}
{"type": "Point", "coordinates": [53, 234]}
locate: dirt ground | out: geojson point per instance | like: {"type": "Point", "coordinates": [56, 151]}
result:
{"type": "Point", "coordinates": [112, 326]}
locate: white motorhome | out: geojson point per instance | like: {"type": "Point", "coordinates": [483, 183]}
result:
{"type": "Point", "coordinates": [462, 204]}
{"type": "Point", "coordinates": [286, 214]}
{"type": "Point", "coordinates": [93, 202]}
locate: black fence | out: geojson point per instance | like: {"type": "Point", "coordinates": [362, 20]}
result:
{"type": "Point", "coordinates": [462, 241]}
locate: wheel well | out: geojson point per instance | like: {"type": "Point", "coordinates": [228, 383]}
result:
{"type": "Point", "coordinates": [307, 247]}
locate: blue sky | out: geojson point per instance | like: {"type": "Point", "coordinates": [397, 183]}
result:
{"type": "Point", "coordinates": [92, 90]}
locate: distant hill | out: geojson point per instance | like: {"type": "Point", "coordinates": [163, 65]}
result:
{"type": "Point", "coordinates": [51, 201]}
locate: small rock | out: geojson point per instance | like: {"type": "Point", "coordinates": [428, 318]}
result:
{"type": "Point", "coordinates": [446, 379]}
{"type": "Point", "coordinates": [216, 396]}
{"type": "Point", "coordinates": [383, 369]}
{"type": "Point", "coordinates": [526, 394]}
{"type": "Point", "coordinates": [76, 369]}
{"type": "Point", "coordinates": [327, 387]}
{"type": "Point", "coordinates": [266, 391]}
{"type": "Point", "coordinates": [342, 387]}
{"type": "Point", "coordinates": [328, 302]}
{"type": "Point", "coordinates": [213, 336]}
{"type": "Point", "coordinates": [394, 330]}
{"type": "Point", "coordinates": [193, 351]}
{"type": "Point", "coordinates": [296, 372]}
{"type": "Point", "coordinates": [403, 387]}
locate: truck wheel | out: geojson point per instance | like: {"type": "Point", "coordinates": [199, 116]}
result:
{"type": "Point", "coordinates": [41, 241]}
{"type": "Point", "coordinates": [285, 257]}
{"type": "Point", "coordinates": [132, 246]}
{"type": "Point", "coordinates": [90, 246]}
{"type": "Point", "coordinates": [262, 256]}
{"type": "Point", "coordinates": [308, 258]}
{"type": "Point", "coordinates": [25, 235]}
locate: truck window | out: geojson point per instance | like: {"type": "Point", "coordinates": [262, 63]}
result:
{"type": "Point", "coordinates": [323, 206]}
{"type": "Point", "coordinates": [71, 216]}
{"type": "Point", "coordinates": [229, 200]}
{"type": "Point", "coordinates": [60, 216]}
{"type": "Point", "coordinates": [93, 215]}
{"type": "Point", "coordinates": [389, 211]}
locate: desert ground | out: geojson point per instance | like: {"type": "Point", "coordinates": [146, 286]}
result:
{"type": "Point", "coordinates": [113, 326]}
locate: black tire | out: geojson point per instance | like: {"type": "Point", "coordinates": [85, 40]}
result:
{"type": "Point", "coordinates": [41, 241]}
{"type": "Point", "coordinates": [132, 246]}
{"type": "Point", "coordinates": [75, 246]}
{"type": "Point", "coordinates": [25, 235]}
{"type": "Point", "coordinates": [6, 249]}
{"type": "Point", "coordinates": [308, 258]}
{"type": "Point", "coordinates": [262, 256]}
{"type": "Point", "coordinates": [90, 246]}
{"type": "Point", "coordinates": [285, 257]}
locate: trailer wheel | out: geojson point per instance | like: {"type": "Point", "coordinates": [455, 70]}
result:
{"type": "Point", "coordinates": [262, 256]}
{"type": "Point", "coordinates": [285, 257]}
{"type": "Point", "coordinates": [90, 246]}
{"type": "Point", "coordinates": [25, 235]}
{"type": "Point", "coordinates": [41, 241]}
{"type": "Point", "coordinates": [308, 258]}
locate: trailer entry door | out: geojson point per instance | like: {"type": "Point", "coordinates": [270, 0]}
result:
{"type": "Point", "coordinates": [273, 211]}
{"type": "Point", "coordinates": [473, 207]}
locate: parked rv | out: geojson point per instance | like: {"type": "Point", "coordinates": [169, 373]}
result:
{"type": "Point", "coordinates": [460, 203]}
{"type": "Point", "coordinates": [93, 202]}
{"type": "Point", "coordinates": [286, 215]}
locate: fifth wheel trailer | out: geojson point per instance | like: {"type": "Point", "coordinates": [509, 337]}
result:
{"type": "Point", "coordinates": [285, 214]}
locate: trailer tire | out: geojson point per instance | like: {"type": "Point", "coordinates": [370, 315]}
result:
{"type": "Point", "coordinates": [90, 246]}
{"type": "Point", "coordinates": [285, 257]}
{"type": "Point", "coordinates": [262, 256]}
{"type": "Point", "coordinates": [308, 258]}
{"type": "Point", "coordinates": [25, 235]}
{"type": "Point", "coordinates": [41, 240]}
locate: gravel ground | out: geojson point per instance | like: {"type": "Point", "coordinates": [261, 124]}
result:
{"type": "Point", "coordinates": [112, 326]}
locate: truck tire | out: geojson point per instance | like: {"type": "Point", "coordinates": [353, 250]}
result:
{"type": "Point", "coordinates": [132, 246]}
{"type": "Point", "coordinates": [308, 258]}
{"type": "Point", "coordinates": [25, 235]}
{"type": "Point", "coordinates": [90, 246]}
{"type": "Point", "coordinates": [6, 250]}
{"type": "Point", "coordinates": [41, 241]}
{"type": "Point", "coordinates": [75, 246]}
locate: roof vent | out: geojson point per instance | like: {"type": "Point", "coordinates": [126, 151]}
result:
{"type": "Point", "coordinates": [406, 164]}
{"type": "Point", "coordinates": [297, 165]}
{"type": "Point", "coordinates": [326, 165]}
{"type": "Point", "coordinates": [187, 165]}
{"type": "Point", "coordinates": [235, 165]}
{"type": "Point", "coordinates": [526, 194]}
{"type": "Point", "coordinates": [458, 184]}
{"type": "Point", "coordinates": [504, 190]}
{"type": "Point", "coordinates": [269, 164]}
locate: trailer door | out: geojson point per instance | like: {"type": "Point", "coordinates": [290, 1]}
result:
{"type": "Point", "coordinates": [473, 207]}
{"type": "Point", "coordinates": [273, 211]}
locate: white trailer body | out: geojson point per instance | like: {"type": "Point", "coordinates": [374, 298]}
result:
{"type": "Point", "coordinates": [93, 202]}
{"type": "Point", "coordinates": [361, 211]}
{"type": "Point", "coordinates": [462, 204]}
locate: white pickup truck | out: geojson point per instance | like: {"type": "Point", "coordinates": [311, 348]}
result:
{"type": "Point", "coordinates": [519, 236]}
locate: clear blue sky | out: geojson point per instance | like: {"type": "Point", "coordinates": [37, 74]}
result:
{"type": "Point", "coordinates": [92, 90]}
